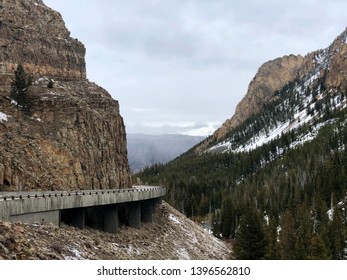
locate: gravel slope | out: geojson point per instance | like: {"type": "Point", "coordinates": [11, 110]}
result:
{"type": "Point", "coordinates": [171, 236]}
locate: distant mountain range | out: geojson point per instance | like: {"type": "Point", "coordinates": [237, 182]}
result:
{"type": "Point", "coordinates": [145, 150]}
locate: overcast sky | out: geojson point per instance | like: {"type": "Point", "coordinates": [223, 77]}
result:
{"type": "Point", "coordinates": [181, 66]}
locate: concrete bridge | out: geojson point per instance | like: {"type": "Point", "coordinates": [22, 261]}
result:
{"type": "Point", "coordinates": [101, 209]}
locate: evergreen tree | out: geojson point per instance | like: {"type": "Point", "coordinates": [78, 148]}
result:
{"type": "Point", "coordinates": [318, 249]}
{"type": "Point", "coordinates": [50, 84]}
{"type": "Point", "coordinates": [228, 218]}
{"type": "Point", "coordinates": [203, 205]}
{"type": "Point", "coordinates": [216, 223]}
{"type": "Point", "coordinates": [271, 252]}
{"type": "Point", "coordinates": [250, 238]}
{"type": "Point", "coordinates": [20, 86]}
{"type": "Point", "coordinates": [337, 231]}
{"type": "Point", "coordinates": [320, 213]}
{"type": "Point", "coordinates": [304, 234]}
{"type": "Point", "coordinates": [288, 237]}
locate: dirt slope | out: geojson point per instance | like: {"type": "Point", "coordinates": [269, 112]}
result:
{"type": "Point", "coordinates": [171, 236]}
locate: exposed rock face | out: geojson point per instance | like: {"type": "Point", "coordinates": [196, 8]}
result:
{"type": "Point", "coordinates": [274, 75]}
{"type": "Point", "coordinates": [337, 62]}
{"type": "Point", "coordinates": [271, 76]}
{"type": "Point", "coordinates": [74, 136]}
{"type": "Point", "coordinates": [36, 36]}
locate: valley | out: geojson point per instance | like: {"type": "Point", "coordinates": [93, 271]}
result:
{"type": "Point", "coordinates": [283, 167]}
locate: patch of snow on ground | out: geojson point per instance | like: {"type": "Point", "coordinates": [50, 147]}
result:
{"type": "Point", "coordinates": [183, 254]}
{"type": "Point", "coordinates": [3, 117]}
{"type": "Point", "coordinates": [320, 58]}
{"type": "Point", "coordinates": [311, 135]}
{"type": "Point", "coordinates": [300, 118]}
{"type": "Point", "coordinates": [41, 80]}
{"type": "Point", "coordinates": [77, 254]}
{"type": "Point", "coordinates": [331, 214]}
{"type": "Point", "coordinates": [174, 219]}
{"type": "Point", "coordinates": [265, 137]}
{"type": "Point", "coordinates": [312, 79]}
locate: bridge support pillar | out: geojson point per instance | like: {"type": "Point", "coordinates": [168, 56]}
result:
{"type": "Point", "coordinates": [134, 218]}
{"type": "Point", "coordinates": [147, 208]}
{"type": "Point", "coordinates": [111, 221]}
{"type": "Point", "coordinates": [157, 201]}
{"type": "Point", "coordinates": [74, 217]}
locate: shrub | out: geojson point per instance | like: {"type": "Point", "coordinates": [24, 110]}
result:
{"type": "Point", "coordinates": [50, 84]}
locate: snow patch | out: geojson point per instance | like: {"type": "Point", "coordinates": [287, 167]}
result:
{"type": "Point", "coordinates": [77, 254]}
{"type": "Point", "coordinates": [182, 254]}
{"type": "Point", "coordinates": [40, 5]}
{"type": "Point", "coordinates": [174, 219]}
{"type": "Point", "coordinates": [41, 80]}
{"type": "Point", "coordinates": [320, 58]}
{"type": "Point", "coordinates": [303, 114]}
{"type": "Point", "coordinates": [3, 117]}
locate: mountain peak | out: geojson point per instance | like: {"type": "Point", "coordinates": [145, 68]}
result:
{"type": "Point", "coordinates": [274, 75]}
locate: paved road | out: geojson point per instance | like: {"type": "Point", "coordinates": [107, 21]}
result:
{"type": "Point", "coordinates": [36, 194]}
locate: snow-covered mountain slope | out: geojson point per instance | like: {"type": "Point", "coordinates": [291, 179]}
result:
{"type": "Point", "coordinates": [304, 104]}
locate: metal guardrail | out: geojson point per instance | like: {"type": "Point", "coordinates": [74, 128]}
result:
{"type": "Point", "coordinates": [4, 196]}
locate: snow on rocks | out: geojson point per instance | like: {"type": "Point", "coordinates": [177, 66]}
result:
{"type": "Point", "coordinates": [3, 117]}
{"type": "Point", "coordinates": [174, 219]}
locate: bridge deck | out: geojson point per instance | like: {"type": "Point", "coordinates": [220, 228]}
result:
{"type": "Point", "coordinates": [15, 204]}
{"type": "Point", "coordinates": [4, 196]}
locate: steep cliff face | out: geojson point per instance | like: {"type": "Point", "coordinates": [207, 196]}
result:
{"type": "Point", "coordinates": [272, 76]}
{"type": "Point", "coordinates": [74, 136]}
{"type": "Point", "coordinates": [335, 59]}
{"type": "Point", "coordinates": [36, 36]}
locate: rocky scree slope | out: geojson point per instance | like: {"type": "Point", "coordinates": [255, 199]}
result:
{"type": "Point", "coordinates": [171, 236]}
{"type": "Point", "coordinates": [74, 136]}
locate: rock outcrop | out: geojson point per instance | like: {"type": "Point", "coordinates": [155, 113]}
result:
{"type": "Point", "coordinates": [74, 136]}
{"type": "Point", "coordinates": [273, 75]}
{"type": "Point", "coordinates": [35, 35]}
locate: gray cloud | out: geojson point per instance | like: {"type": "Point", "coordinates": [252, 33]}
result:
{"type": "Point", "coordinates": [191, 61]}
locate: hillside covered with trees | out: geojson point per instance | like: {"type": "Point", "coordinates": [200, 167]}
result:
{"type": "Point", "coordinates": [277, 183]}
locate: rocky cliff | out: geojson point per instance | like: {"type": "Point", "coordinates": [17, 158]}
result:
{"type": "Point", "coordinates": [73, 137]}
{"type": "Point", "coordinates": [273, 75]}
{"type": "Point", "coordinates": [35, 35]}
